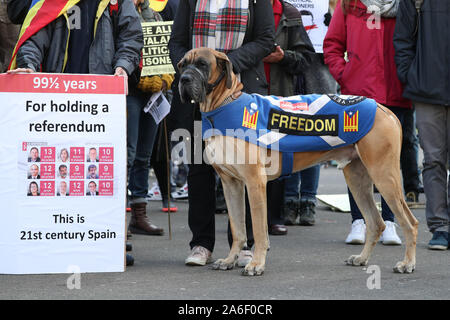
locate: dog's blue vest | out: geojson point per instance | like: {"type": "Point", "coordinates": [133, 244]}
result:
{"type": "Point", "coordinates": [293, 124]}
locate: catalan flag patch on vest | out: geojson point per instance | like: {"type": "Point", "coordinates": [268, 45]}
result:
{"type": "Point", "coordinates": [250, 119]}
{"type": "Point", "coordinates": [351, 121]}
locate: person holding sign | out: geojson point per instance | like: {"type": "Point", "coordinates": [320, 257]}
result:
{"type": "Point", "coordinates": [243, 30]}
{"type": "Point", "coordinates": [90, 47]}
{"type": "Point", "coordinates": [142, 130]}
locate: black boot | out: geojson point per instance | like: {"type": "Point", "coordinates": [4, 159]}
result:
{"type": "Point", "coordinates": [291, 210]}
{"type": "Point", "coordinates": [307, 212]}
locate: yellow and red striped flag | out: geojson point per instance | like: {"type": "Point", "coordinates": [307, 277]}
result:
{"type": "Point", "coordinates": [351, 121]}
{"type": "Point", "coordinates": [250, 120]}
{"type": "Point", "coordinates": [40, 14]}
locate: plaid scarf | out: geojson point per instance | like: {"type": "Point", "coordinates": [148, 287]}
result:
{"type": "Point", "coordinates": [220, 24]}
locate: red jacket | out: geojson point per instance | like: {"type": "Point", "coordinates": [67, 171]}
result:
{"type": "Point", "coordinates": [371, 69]}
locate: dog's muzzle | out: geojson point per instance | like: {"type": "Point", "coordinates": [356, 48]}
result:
{"type": "Point", "coordinates": [193, 85]}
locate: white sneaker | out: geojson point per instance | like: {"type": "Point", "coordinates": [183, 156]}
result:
{"type": "Point", "coordinates": [245, 256]}
{"type": "Point", "coordinates": [389, 235]}
{"type": "Point", "coordinates": [358, 233]}
{"type": "Point", "coordinates": [181, 193]}
{"type": "Point", "coordinates": [154, 193]}
{"type": "Point", "coordinates": [199, 256]}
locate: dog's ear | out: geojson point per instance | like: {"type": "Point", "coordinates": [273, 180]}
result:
{"type": "Point", "coordinates": [180, 64]}
{"type": "Point", "coordinates": [222, 57]}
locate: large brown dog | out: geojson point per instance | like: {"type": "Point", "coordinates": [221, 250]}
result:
{"type": "Point", "coordinates": [207, 78]}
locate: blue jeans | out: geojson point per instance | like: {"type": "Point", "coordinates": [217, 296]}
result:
{"type": "Point", "coordinates": [141, 133]}
{"type": "Point", "coordinates": [309, 183]}
{"type": "Point", "coordinates": [410, 151]}
{"type": "Point", "coordinates": [410, 170]}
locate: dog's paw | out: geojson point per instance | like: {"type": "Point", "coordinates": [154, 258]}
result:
{"type": "Point", "coordinates": [356, 261]}
{"type": "Point", "coordinates": [253, 270]}
{"type": "Point", "coordinates": [404, 267]}
{"type": "Point", "coordinates": [222, 264]}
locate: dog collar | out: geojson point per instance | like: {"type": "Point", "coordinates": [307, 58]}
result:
{"type": "Point", "coordinates": [210, 87]}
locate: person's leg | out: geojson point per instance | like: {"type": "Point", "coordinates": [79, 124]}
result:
{"type": "Point", "coordinates": [356, 214]}
{"type": "Point", "coordinates": [202, 204]}
{"type": "Point", "coordinates": [308, 191]}
{"type": "Point", "coordinates": [159, 164]}
{"type": "Point", "coordinates": [291, 199]}
{"type": "Point", "coordinates": [357, 233]}
{"type": "Point", "coordinates": [275, 197]}
{"type": "Point", "coordinates": [309, 183]}
{"type": "Point", "coordinates": [409, 154]}
{"type": "Point", "coordinates": [141, 136]}
{"type": "Point", "coordinates": [433, 125]}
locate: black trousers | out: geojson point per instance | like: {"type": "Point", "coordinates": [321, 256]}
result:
{"type": "Point", "coordinates": [202, 208]}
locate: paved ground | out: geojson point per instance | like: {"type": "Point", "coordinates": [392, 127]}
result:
{"type": "Point", "coordinates": [308, 263]}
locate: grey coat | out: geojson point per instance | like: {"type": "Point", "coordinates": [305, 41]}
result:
{"type": "Point", "coordinates": [298, 50]}
{"type": "Point", "coordinates": [48, 46]}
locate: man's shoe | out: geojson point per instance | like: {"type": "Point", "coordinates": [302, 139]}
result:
{"type": "Point", "coordinates": [165, 206]}
{"type": "Point", "coordinates": [412, 197]}
{"type": "Point", "coordinates": [389, 235]}
{"type": "Point", "coordinates": [358, 233]}
{"type": "Point", "coordinates": [181, 193]}
{"type": "Point", "coordinates": [154, 193]}
{"type": "Point", "coordinates": [439, 241]}
{"type": "Point", "coordinates": [291, 209]}
{"type": "Point", "coordinates": [130, 260]}
{"type": "Point", "coordinates": [140, 224]}
{"type": "Point", "coordinates": [307, 212]}
{"type": "Point", "coordinates": [128, 246]}
{"type": "Point", "coordinates": [278, 230]}
{"type": "Point", "coordinates": [199, 256]}
{"type": "Point", "coordinates": [245, 256]}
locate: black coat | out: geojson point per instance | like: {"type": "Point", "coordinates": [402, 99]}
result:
{"type": "Point", "coordinates": [247, 60]}
{"type": "Point", "coordinates": [423, 61]}
{"type": "Point", "coordinates": [17, 10]}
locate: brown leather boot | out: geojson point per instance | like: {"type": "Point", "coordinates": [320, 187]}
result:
{"type": "Point", "coordinates": [140, 224]}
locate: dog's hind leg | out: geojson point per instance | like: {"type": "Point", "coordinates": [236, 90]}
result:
{"type": "Point", "coordinates": [361, 186]}
{"type": "Point", "coordinates": [234, 193]}
{"type": "Point", "coordinates": [381, 157]}
{"type": "Point", "coordinates": [386, 176]}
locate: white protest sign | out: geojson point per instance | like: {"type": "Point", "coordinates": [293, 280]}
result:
{"type": "Point", "coordinates": [313, 12]}
{"type": "Point", "coordinates": [63, 173]}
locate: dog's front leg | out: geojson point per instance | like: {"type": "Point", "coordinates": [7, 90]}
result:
{"type": "Point", "coordinates": [234, 193]}
{"type": "Point", "coordinates": [258, 206]}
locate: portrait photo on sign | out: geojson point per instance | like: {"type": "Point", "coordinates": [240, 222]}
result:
{"type": "Point", "coordinates": [63, 189]}
{"type": "Point", "coordinates": [92, 189]}
{"type": "Point", "coordinates": [92, 155]}
{"type": "Point", "coordinates": [33, 172]}
{"type": "Point", "coordinates": [63, 171]}
{"type": "Point", "coordinates": [63, 155]}
{"type": "Point", "coordinates": [34, 155]}
{"type": "Point", "coordinates": [92, 172]}
{"type": "Point", "coordinates": [33, 189]}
